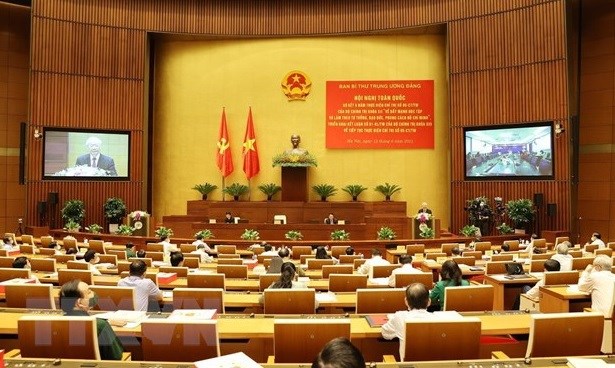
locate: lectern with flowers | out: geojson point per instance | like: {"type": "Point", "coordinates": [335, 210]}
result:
{"type": "Point", "coordinates": [139, 221]}
{"type": "Point", "coordinates": [294, 163]}
{"type": "Point", "coordinates": [423, 226]}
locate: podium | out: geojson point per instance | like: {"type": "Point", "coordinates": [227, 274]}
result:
{"type": "Point", "coordinates": [415, 227]}
{"type": "Point", "coordinates": [295, 183]}
{"type": "Point", "coordinates": [141, 226]}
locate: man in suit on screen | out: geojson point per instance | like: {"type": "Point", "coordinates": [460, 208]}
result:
{"type": "Point", "coordinates": [95, 158]}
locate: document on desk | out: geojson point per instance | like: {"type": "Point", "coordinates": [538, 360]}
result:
{"type": "Point", "coordinates": [167, 294]}
{"type": "Point", "coordinates": [588, 363]}
{"type": "Point", "coordinates": [132, 318]}
{"type": "Point", "coordinates": [192, 314]}
{"type": "Point", "coordinates": [326, 297]}
{"type": "Point", "coordinates": [236, 360]}
{"type": "Point", "coordinates": [574, 288]}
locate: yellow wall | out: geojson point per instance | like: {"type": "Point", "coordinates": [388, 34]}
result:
{"type": "Point", "coordinates": [196, 78]}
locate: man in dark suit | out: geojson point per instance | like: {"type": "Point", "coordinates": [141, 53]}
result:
{"type": "Point", "coordinates": [331, 220]}
{"type": "Point", "coordinates": [95, 158]}
{"type": "Point", "coordinates": [424, 208]}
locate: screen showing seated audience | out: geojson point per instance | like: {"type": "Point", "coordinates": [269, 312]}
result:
{"type": "Point", "coordinates": [86, 154]}
{"type": "Point", "coordinates": [509, 152]}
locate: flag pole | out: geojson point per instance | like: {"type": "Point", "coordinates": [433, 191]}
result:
{"type": "Point", "coordinates": [223, 194]}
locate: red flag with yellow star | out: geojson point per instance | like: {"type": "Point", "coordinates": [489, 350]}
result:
{"type": "Point", "coordinates": [224, 160]}
{"type": "Point", "coordinates": [250, 154]}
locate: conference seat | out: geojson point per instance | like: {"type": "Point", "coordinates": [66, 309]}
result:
{"type": "Point", "coordinates": [65, 275]}
{"type": "Point", "coordinates": [561, 278]}
{"type": "Point", "coordinates": [181, 341]}
{"type": "Point", "coordinates": [349, 258]}
{"type": "Point", "coordinates": [473, 253]}
{"type": "Point", "coordinates": [45, 241]}
{"type": "Point", "coordinates": [187, 248]}
{"type": "Point", "coordinates": [7, 273]}
{"type": "Point", "coordinates": [358, 262]}
{"type": "Point", "coordinates": [537, 265]}
{"type": "Point", "coordinates": [206, 280]}
{"type": "Point", "coordinates": [180, 271]}
{"type": "Point", "coordinates": [447, 248]}
{"type": "Point", "coordinates": [384, 270]}
{"type": "Point", "coordinates": [230, 261]}
{"type": "Point", "coordinates": [226, 249]}
{"type": "Point", "coordinates": [147, 260]}
{"type": "Point", "coordinates": [98, 246]}
{"type": "Point", "coordinates": [405, 279]}
{"type": "Point", "coordinates": [299, 250]}
{"type": "Point", "coordinates": [300, 340]}
{"type": "Point", "coordinates": [338, 250]}
{"type": "Point", "coordinates": [580, 264]}
{"type": "Point", "coordinates": [316, 264]}
{"type": "Point", "coordinates": [336, 269]}
{"type": "Point", "coordinates": [260, 259]}
{"type": "Point", "coordinates": [494, 268]}
{"type": "Point", "coordinates": [610, 245]}
{"type": "Point", "coordinates": [502, 257]}
{"type": "Point", "coordinates": [36, 296]}
{"type": "Point", "coordinates": [565, 334]}
{"type": "Point", "coordinates": [305, 257]}
{"type": "Point", "coordinates": [27, 249]}
{"type": "Point", "coordinates": [6, 262]}
{"type": "Point", "coordinates": [114, 298]}
{"type": "Point", "coordinates": [607, 333]}
{"type": "Point", "coordinates": [43, 264]}
{"type": "Point", "coordinates": [413, 249]}
{"type": "Point", "coordinates": [123, 266]}
{"type": "Point", "coordinates": [77, 265]}
{"type": "Point", "coordinates": [154, 247]}
{"type": "Point", "coordinates": [289, 301]}
{"type": "Point", "coordinates": [63, 258]}
{"type": "Point", "coordinates": [543, 256]}
{"type": "Point", "coordinates": [435, 255]}
{"type": "Point", "coordinates": [540, 243]}
{"type": "Point", "coordinates": [380, 300]}
{"type": "Point", "coordinates": [482, 246]}
{"type": "Point", "coordinates": [465, 260]}
{"type": "Point", "coordinates": [342, 283]}
{"type": "Point", "coordinates": [560, 239]}
{"type": "Point", "coordinates": [265, 280]}
{"type": "Point", "coordinates": [228, 255]}
{"type": "Point", "coordinates": [108, 258]}
{"type": "Point", "coordinates": [69, 243]}
{"type": "Point", "coordinates": [590, 248]}
{"type": "Point", "coordinates": [233, 271]}
{"type": "Point", "coordinates": [25, 239]}
{"type": "Point", "coordinates": [513, 245]}
{"type": "Point", "coordinates": [46, 251]}
{"type": "Point", "coordinates": [576, 253]}
{"type": "Point", "coordinates": [192, 262]}
{"type": "Point", "coordinates": [155, 256]}
{"type": "Point", "coordinates": [473, 298]}
{"type": "Point", "coordinates": [199, 298]}
{"type": "Point", "coordinates": [606, 251]}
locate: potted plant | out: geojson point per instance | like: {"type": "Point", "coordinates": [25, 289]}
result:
{"type": "Point", "coordinates": [293, 235]}
{"type": "Point", "coordinates": [94, 228]}
{"type": "Point", "coordinates": [163, 232]}
{"type": "Point", "coordinates": [340, 235]}
{"type": "Point", "coordinates": [124, 230]}
{"type": "Point", "coordinates": [74, 210]}
{"type": "Point", "coordinates": [387, 190]}
{"type": "Point", "coordinates": [521, 212]}
{"type": "Point", "coordinates": [269, 190]}
{"type": "Point", "coordinates": [205, 189]}
{"type": "Point", "coordinates": [354, 190]}
{"type": "Point", "coordinates": [470, 231]}
{"type": "Point", "coordinates": [206, 234]}
{"type": "Point", "coordinates": [250, 234]}
{"type": "Point", "coordinates": [504, 229]}
{"type": "Point", "coordinates": [236, 190]}
{"type": "Point", "coordinates": [72, 226]}
{"type": "Point", "coordinates": [386, 233]}
{"type": "Point", "coordinates": [324, 191]}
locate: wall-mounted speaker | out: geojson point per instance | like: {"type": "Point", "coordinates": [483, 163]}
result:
{"type": "Point", "coordinates": [538, 199]}
{"type": "Point", "coordinates": [551, 209]}
{"type": "Point", "coordinates": [53, 198]}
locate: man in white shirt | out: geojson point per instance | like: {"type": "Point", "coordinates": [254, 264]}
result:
{"type": "Point", "coordinates": [417, 301]}
{"type": "Point", "coordinates": [268, 250]}
{"type": "Point", "coordinates": [562, 256]}
{"type": "Point", "coordinates": [550, 265]}
{"type": "Point", "coordinates": [205, 247]}
{"type": "Point", "coordinates": [596, 239]}
{"type": "Point", "coordinates": [366, 268]}
{"type": "Point", "coordinates": [167, 248]}
{"type": "Point", "coordinates": [144, 287]}
{"type": "Point", "coordinates": [406, 267]}
{"type": "Point", "coordinates": [598, 280]}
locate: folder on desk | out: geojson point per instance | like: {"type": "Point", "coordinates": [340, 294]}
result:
{"type": "Point", "coordinates": [235, 360]}
{"type": "Point", "coordinates": [376, 320]}
{"type": "Point", "coordinates": [193, 314]}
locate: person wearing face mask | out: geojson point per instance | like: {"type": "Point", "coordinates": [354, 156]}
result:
{"type": "Point", "coordinates": [23, 262]}
{"type": "Point", "coordinates": [596, 239]}
{"type": "Point", "coordinates": [8, 244]}
{"type": "Point", "coordinates": [76, 299]}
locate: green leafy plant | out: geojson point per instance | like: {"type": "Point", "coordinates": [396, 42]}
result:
{"type": "Point", "coordinates": [521, 212]}
{"type": "Point", "coordinates": [387, 190]}
{"type": "Point", "coordinates": [293, 235]}
{"type": "Point", "coordinates": [125, 230]}
{"type": "Point", "coordinates": [269, 190]}
{"type": "Point", "coordinates": [340, 235]}
{"type": "Point", "coordinates": [354, 190]}
{"type": "Point", "coordinates": [426, 231]}
{"type": "Point", "coordinates": [386, 233]}
{"type": "Point", "coordinates": [163, 232]}
{"type": "Point", "coordinates": [469, 230]}
{"type": "Point", "coordinates": [324, 191]}
{"type": "Point", "coordinates": [294, 160]}
{"type": "Point", "coordinates": [115, 210]}
{"type": "Point", "coordinates": [206, 234]}
{"type": "Point", "coordinates": [205, 189]}
{"type": "Point", "coordinates": [505, 229]}
{"type": "Point", "coordinates": [94, 228]}
{"type": "Point", "coordinates": [72, 226]}
{"type": "Point", "coordinates": [236, 190]}
{"type": "Point", "coordinates": [74, 210]}
{"type": "Point", "coordinates": [250, 234]}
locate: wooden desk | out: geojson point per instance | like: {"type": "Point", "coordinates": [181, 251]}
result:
{"type": "Point", "coordinates": [557, 299]}
{"type": "Point", "coordinates": [505, 291]}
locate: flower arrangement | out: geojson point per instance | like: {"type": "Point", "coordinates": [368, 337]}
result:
{"type": "Point", "coordinates": [293, 235]}
{"type": "Point", "coordinates": [505, 229]}
{"type": "Point", "coordinates": [340, 235]}
{"type": "Point", "coordinates": [82, 170]}
{"type": "Point", "coordinates": [94, 228]}
{"type": "Point", "coordinates": [124, 230]}
{"type": "Point", "coordinates": [163, 232]}
{"type": "Point", "coordinates": [470, 231]}
{"type": "Point", "coordinates": [423, 217]}
{"type": "Point", "coordinates": [426, 231]}
{"type": "Point", "coordinates": [294, 159]}
{"type": "Point", "coordinates": [250, 234]}
{"type": "Point", "coordinates": [386, 233]}
{"type": "Point", "coordinates": [136, 215]}
{"type": "Point", "coordinates": [72, 226]}
{"type": "Point", "coordinates": [206, 234]}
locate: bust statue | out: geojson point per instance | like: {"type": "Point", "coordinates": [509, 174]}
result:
{"type": "Point", "coordinates": [295, 139]}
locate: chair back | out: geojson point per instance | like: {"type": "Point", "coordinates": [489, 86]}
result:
{"type": "Point", "coordinates": [97, 245]}
{"type": "Point", "coordinates": [26, 239]}
{"type": "Point", "coordinates": [257, 250]}
{"type": "Point", "coordinates": [108, 258]}
{"type": "Point", "coordinates": [560, 239]}
{"type": "Point", "coordinates": [154, 247]}
{"type": "Point", "coordinates": [331, 269]}
{"type": "Point", "coordinates": [64, 337]}
{"type": "Point", "coordinates": [6, 262]}
{"type": "Point", "coordinates": [338, 250]}
{"type": "Point", "coordinates": [454, 339]}
{"type": "Point", "coordinates": [300, 340]}
{"type": "Point", "coordinates": [537, 265]}
{"type": "Point", "coordinates": [341, 282]}
{"type": "Point", "coordinates": [69, 243]}
{"type": "Point", "coordinates": [606, 251]}
{"type": "Point", "coordinates": [63, 258]}
{"type": "Point", "coordinates": [26, 249]}
{"type": "Point", "coordinates": [147, 261]}
{"type": "Point", "coordinates": [187, 248]}
{"type": "Point", "coordinates": [473, 298]}
{"type": "Point", "coordinates": [233, 271]}
{"type": "Point", "coordinates": [77, 265]}
{"type": "Point", "coordinates": [610, 245]}
{"type": "Point", "coordinates": [37, 296]}
{"type": "Point", "coordinates": [561, 278]}
{"type": "Point", "coordinates": [180, 271]}
{"type": "Point", "coordinates": [405, 279]}
{"type": "Point", "coordinates": [227, 249]}
{"type": "Point", "coordinates": [434, 255]}
{"type": "Point", "coordinates": [45, 240]}
{"type": "Point", "coordinates": [184, 341]}
{"type": "Point", "coordinates": [316, 264]}
{"type": "Point", "coordinates": [289, 301]}
{"type": "Point", "coordinates": [198, 298]}
{"type": "Point", "coordinates": [304, 258]}
{"type": "Point", "coordinates": [473, 253]}
{"type": "Point", "coordinates": [381, 300]}
{"type": "Point", "coordinates": [482, 246]}
{"type": "Point", "coordinates": [494, 268]}
{"type": "Point", "coordinates": [230, 261]}
{"type": "Point", "coordinates": [43, 264]}
{"type": "Point", "coordinates": [560, 334]}
{"type": "Point", "coordinates": [46, 251]}
{"type": "Point", "coordinates": [206, 280]}
{"type": "Point", "coordinates": [229, 255]}
{"type": "Point", "coordinates": [260, 258]}
{"type": "Point", "coordinates": [384, 270]}
{"type": "Point", "coordinates": [581, 263]}
{"type": "Point", "coordinates": [544, 256]}
{"type": "Point", "coordinates": [501, 257]}
{"type": "Point", "coordinates": [65, 275]}
{"type": "Point", "coordinates": [468, 260]}
{"type": "Point", "coordinates": [590, 248]}
{"type": "Point", "coordinates": [265, 280]}
{"type": "Point", "coordinates": [299, 250]}
{"type": "Point", "coordinates": [513, 245]}
{"type": "Point", "coordinates": [155, 256]}
{"type": "Point", "coordinates": [192, 262]}
{"type": "Point", "coordinates": [113, 298]}
{"type": "Point", "coordinates": [358, 262]}
{"type": "Point", "coordinates": [349, 259]}
{"type": "Point", "coordinates": [7, 273]}
{"type": "Point", "coordinates": [447, 248]}
{"type": "Point", "coordinates": [123, 266]}
{"type": "Point", "coordinates": [413, 249]}
{"type": "Point", "coordinates": [576, 253]}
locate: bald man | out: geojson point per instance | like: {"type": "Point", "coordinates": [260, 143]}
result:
{"type": "Point", "coordinates": [95, 158]}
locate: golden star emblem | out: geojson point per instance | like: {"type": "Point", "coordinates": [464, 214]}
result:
{"type": "Point", "coordinates": [249, 144]}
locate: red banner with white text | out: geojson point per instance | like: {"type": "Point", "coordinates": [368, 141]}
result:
{"type": "Point", "coordinates": [380, 114]}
